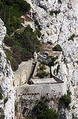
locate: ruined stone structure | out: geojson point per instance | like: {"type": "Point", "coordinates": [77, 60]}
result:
{"type": "Point", "coordinates": [22, 74]}
{"type": "Point", "coordinates": [27, 20]}
{"type": "Point", "coordinates": [35, 92]}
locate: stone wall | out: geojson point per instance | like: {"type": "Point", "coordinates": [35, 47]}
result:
{"type": "Point", "coordinates": [28, 96]}
{"type": "Point", "coordinates": [22, 74]}
{"type": "Point", "coordinates": [35, 92]}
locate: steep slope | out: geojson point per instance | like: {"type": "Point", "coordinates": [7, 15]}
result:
{"type": "Point", "coordinates": [6, 79]}
{"type": "Point", "coordinates": [59, 23]}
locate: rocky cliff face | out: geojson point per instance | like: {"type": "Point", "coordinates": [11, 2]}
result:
{"type": "Point", "coordinates": [61, 28]}
{"type": "Point", "coordinates": [6, 79]}
{"type": "Point", "coordinates": [59, 23]}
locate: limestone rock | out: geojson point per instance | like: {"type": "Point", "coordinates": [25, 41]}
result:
{"type": "Point", "coordinates": [58, 29]}
{"type": "Point", "coordinates": [6, 78]}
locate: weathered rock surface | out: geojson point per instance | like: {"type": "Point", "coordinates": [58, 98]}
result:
{"type": "Point", "coordinates": [6, 78]}
{"type": "Point", "coordinates": [58, 29]}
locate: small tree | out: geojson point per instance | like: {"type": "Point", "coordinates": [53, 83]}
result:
{"type": "Point", "coordinates": [42, 111]}
{"type": "Point", "coordinates": [66, 98]}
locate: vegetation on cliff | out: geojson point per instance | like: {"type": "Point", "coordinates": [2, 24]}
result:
{"type": "Point", "coordinates": [66, 99]}
{"type": "Point", "coordinates": [22, 44]}
{"type": "Point", "coordinates": [10, 12]}
{"type": "Point", "coordinates": [1, 96]}
{"type": "Point", "coordinates": [2, 116]}
{"type": "Point", "coordinates": [42, 111]}
{"type": "Point", "coordinates": [57, 48]}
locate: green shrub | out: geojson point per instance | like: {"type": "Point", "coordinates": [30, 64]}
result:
{"type": "Point", "coordinates": [28, 40]}
{"type": "Point", "coordinates": [71, 37]}
{"type": "Point", "coordinates": [73, 117]}
{"type": "Point", "coordinates": [29, 118]}
{"type": "Point", "coordinates": [54, 12]}
{"type": "Point", "coordinates": [23, 4]}
{"type": "Point", "coordinates": [44, 63]}
{"type": "Point", "coordinates": [42, 111]}
{"type": "Point", "coordinates": [9, 2]}
{"type": "Point", "coordinates": [8, 41]}
{"type": "Point", "coordinates": [52, 62]}
{"type": "Point", "coordinates": [66, 98]}
{"type": "Point", "coordinates": [2, 116]}
{"type": "Point", "coordinates": [42, 67]}
{"type": "Point", "coordinates": [40, 107]}
{"type": "Point", "coordinates": [5, 100]}
{"type": "Point", "coordinates": [9, 55]}
{"type": "Point", "coordinates": [42, 74]}
{"type": "Point", "coordinates": [1, 95]}
{"type": "Point", "coordinates": [14, 59]}
{"type": "Point", "coordinates": [48, 114]}
{"type": "Point", "coordinates": [37, 32]}
{"type": "Point", "coordinates": [57, 48]}
{"type": "Point", "coordinates": [68, 92]}
{"type": "Point", "coordinates": [37, 24]}
{"type": "Point", "coordinates": [73, 107]}
{"type": "Point", "coordinates": [48, 34]}
{"type": "Point", "coordinates": [11, 11]}
{"type": "Point", "coordinates": [14, 64]}
{"type": "Point", "coordinates": [1, 5]}
{"type": "Point", "coordinates": [23, 45]}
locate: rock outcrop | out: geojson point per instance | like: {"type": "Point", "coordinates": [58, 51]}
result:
{"type": "Point", "coordinates": [6, 79]}
{"type": "Point", "coordinates": [59, 23]}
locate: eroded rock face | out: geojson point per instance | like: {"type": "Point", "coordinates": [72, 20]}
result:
{"type": "Point", "coordinates": [58, 29]}
{"type": "Point", "coordinates": [6, 78]}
